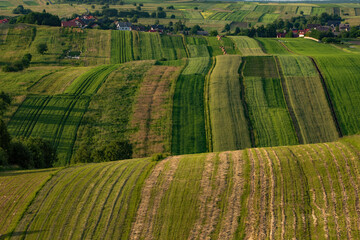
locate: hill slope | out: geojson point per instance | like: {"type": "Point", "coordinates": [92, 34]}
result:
{"type": "Point", "coordinates": [303, 192]}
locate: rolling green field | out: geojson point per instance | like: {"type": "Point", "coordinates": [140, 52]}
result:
{"type": "Point", "coordinates": [312, 114]}
{"type": "Point", "coordinates": [229, 126]}
{"type": "Point", "coordinates": [188, 127]}
{"type": "Point", "coordinates": [304, 191]}
{"type": "Point", "coordinates": [268, 114]}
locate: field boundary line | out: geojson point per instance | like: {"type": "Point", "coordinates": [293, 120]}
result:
{"type": "Point", "coordinates": [290, 108]}
{"type": "Point", "coordinates": [328, 98]}
{"type": "Point", "coordinates": [185, 46]}
{"type": "Point", "coordinates": [208, 129]}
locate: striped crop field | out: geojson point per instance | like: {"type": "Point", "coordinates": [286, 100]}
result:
{"type": "Point", "coordinates": [197, 47]}
{"type": "Point", "coordinates": [53, 118]}
{"type": "Point", "coordinates": [268, 113]}
{"type": "Point", "coordinates": [188, 127]}
{"type": "Point", "coordinates": [121, 47]}
{"type": "Point", "coordinates": [229, 126]}
{"type": "Point", "coordinates": [128, 46]}
{"type": "Point", "coordinates": [341, 75]}
{"type": "Point", "coordinates": [302, 192]}
{"type": "Point", "coordinates": [99, 53]}
{"type": "Point", "coordinates": [269, 17]}
{"type": "Point", "coordinates": [214, 46]}
{"type": "Point", "coordinates": [58, 81]}
{"type": "Point", "coordinates": [307, 100]}
{"type": "Point", "coordinates": [97, 197]}
{"type": "Point", "coordinates": [152, 112]}
{"type": "Point", "coordinates": [237, 16]}
{"type": "Point", "coordinates": [91, 81]}
{"type": "Point", "coordinates": [247, 46]}
{"type": "Point", "coordinates": [17, 189]}
{"type": "Point", "coordinates": [57, 118]}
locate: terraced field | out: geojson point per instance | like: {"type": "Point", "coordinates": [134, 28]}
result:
{"type": "Point", "coordinates": [247, 46]}
{"type": "Point", "coordinates": [305, 191]}
{"type": "Point", "coordinates": [307, 101]}
{"type": "Point", "coordinates": [271, 124]}
{"type": "Point", "coordinates": [229, 126]}
{"type": "Point", "coordinates": [188, 127]}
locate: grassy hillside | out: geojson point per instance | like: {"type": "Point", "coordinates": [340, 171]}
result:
{"type": "Point", "coordinates": [303, 192]}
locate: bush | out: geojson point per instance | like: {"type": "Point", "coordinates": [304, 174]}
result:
{"type": "Point", "coordinates": [158, 157]}
{"type": "Point", "coordinates": [42, 48]}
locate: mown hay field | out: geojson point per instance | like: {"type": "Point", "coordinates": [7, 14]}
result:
{"type": "Point", "coordinates": [303, 192]}
{"type": "Point", "coordinates": [229, 126]}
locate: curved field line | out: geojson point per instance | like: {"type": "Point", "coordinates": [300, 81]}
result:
{"type": "Point", "coordinates": [282, 203]}
{"type": "Point", "coordinates": [324, 209]}
{"type": "Point", "coordinates": [251, 218]}
{"type": "Point", "coordinates": [263, 181]}
{"type": "Point", "coordinates": [143, 225]}
{"type": "Point", "coordinates": [344, 193]}
{"type": "Point", "coordinates": [36, 117]}
{"type": "Point", "coordinates": [273, 219]}
{"type": "Point", "coordinates": [205, 197]}
{"type": "Point", "coordinates": [234, 207]}
{"type": "Point", "coordinates": [333, 194]}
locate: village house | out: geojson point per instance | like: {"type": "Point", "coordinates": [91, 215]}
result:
{"type": "Point", "coordinates": [157, 28]}
{"type": "Point", "coordinates": [344, 27]}
{"type": "Point", "coordinates": [81, 22]}
{"type": "Point", "coordinates": [2, 21]}
{"type": "Point", "coordinates": [123, 26]}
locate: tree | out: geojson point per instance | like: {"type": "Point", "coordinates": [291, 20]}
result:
{"type": "Point", "coordinates": [301, 12]}
{"type": "Point", "coordinates": [214, 33]}
{"type": "Point", "coordinates": [26, 60]}
{"type": "Point", "coordinates": [195, 29]}
{"type": "Point", "coordinates": [227, 28]}
{"type": "Point", "coordinates": [172, 16]}
{"type": "Point", "coordinates": [4, 136]}
{"type": "Point", "coordinates": [237, 31]}
{"type": "Point", "coordinates": [42, 48]}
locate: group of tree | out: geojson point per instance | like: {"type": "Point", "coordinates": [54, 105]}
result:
{"type": "Point", "coordinates": [21, 10]}
{"type": "Point", "coordinates": [112, 151]}
{"type": "Point", "coordinates": [40, 19]}
{"type": "Point", "coordinates": [23, 152]}
{"type": "Point", "coordinates": [18, 65]}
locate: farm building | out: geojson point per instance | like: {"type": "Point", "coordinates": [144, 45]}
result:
{"type": "Point", "coordinates": [4, 21]}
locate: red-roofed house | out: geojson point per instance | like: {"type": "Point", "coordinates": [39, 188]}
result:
{"type": "Point", "coordinates": [4, 21]}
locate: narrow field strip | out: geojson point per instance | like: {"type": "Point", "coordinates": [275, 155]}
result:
{"type": "Point", "coordinates": [229, 125]}
{"type": "Point", "coordinates": [307, 99]}
{"type": "Point", "coordinates": [155, 187]}
{"type": "Point", "coordinates": [188, 119]}
{"type": "Point", "coordinates": [152, 112]}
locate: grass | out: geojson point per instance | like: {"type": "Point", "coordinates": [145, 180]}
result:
{"type": "Point", "coordinates": [247, 46]}
{"type": "Point", "coordinates": [188, 129]}
{"type": "Point", "coordinates": [91, 81]}
{"type": "Point", "coordinates": [227, 114]}
{"type": "Point", "coordinates": [304, 191]}
{"type": "Point", "coordinates": [341, 75]}
{"type": "Point", "coordinates": [101, 197]}
{"type": "Point", "coordinates": [308, 100]}
{"type": "Point", "coordinates": [272, 46]}
{"type": "Point", "coordinates": [53, 118]}
{"type": "Point", "coordinates": [268, 114]}
{"type": "Point", "coordinates": [111, 108]}
{"type": "Point", "coordinates": [17, 190]}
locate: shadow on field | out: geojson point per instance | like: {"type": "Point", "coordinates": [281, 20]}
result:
{"type": "Point", "coordinates": [14, 234]}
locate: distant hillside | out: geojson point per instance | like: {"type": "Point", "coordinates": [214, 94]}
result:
{"type": "Point", "coordinates": [302, 192]}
